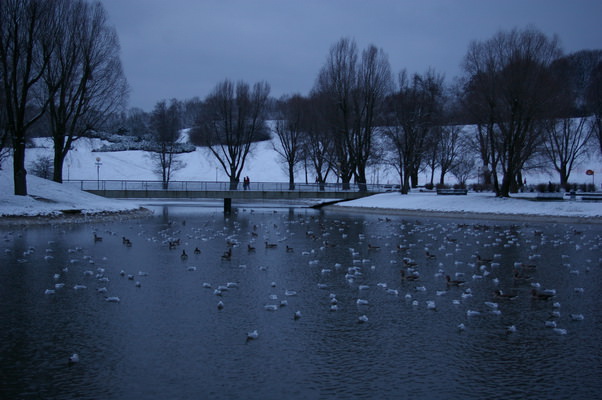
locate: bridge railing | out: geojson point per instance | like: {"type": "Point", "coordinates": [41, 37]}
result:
{"type": "Point", "coordinates": [196, 186]}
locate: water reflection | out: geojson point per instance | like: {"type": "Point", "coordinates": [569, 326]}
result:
{"type": "Point", "coordinates": [166, 337]}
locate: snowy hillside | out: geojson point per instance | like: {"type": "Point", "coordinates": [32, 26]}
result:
{"type": "Point", "coordinates": [137, 165]}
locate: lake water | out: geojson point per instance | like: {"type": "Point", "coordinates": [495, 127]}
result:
{"type": "Point", "coordinates": [167, 339]}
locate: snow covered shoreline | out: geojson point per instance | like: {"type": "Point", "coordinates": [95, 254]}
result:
{"type": "Point", "coordinates": [66, 218]}
{"type": "Point", "coordinates": [477, 206]}
{"type": "Point", "coordinates": [50, 202]}
{"type": "Point", "coordinates": [467, 215]}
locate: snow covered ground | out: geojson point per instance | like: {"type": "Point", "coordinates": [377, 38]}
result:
{"type": "Point", "coordinates": [262, 165]}
{"type": "Point", "coordinates": [479, 203]}
{"type": "Point", "coordinates": [49, 198]}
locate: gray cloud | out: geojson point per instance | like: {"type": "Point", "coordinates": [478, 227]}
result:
{"type": "Point", "coordinates": [183, 48]}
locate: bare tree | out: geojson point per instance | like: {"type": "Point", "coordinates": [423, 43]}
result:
{"type": "Point", "coordinates": [289, 129]}
{"type": "Point", "coordinates": [318, 146]}
{"type": "Point", "coordinates": [432, 148]}
{"type": "Point", "coordinates": [463, 169]}
{"type": "Point", "coordinates": [450, 149]}
{"type": "Point", "coordinates": [567, 141]}
{"type": "Point", "coordinates": [335, 87]}
{"type": "Point", "coordinates": [190, 111]}
{"type": "Point", "coordinates": [166, 124]}
{"type": "Point", "coordinates": [84, 80]}
{"type": "Point", "coordinates": [233, 118]}
{"type": "Point", "coordinates": [509, 77]}
{"type": "Point", "coordinates": [137, 122]}
{"type": "Point", "coordinates": [42, 167]}
{"type": "Point", "coordinates": [594, 98]}
{"type": "Point", "coordinates": [4, 136]}
{"type": "Point", "coordinates": [374, 84]}
{"type": "Point", "coordinates": [26, 31]}
{"type": "Point", "coordinates": [354, 91]}
{"type": "Point", "coordinates": [414, 110]}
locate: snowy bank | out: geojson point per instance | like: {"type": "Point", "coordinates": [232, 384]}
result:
{"type": "Point", "coordinates": [478, 205]}
{"type": "Point", "coordinates": [51, 199]}
{"type": "Point", "coordinates": [47, 198]}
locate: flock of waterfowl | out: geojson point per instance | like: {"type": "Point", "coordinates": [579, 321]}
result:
{"type": "Point", "coordinates": [433, 254]}
{"type": "Point", "coordinates": [421, 265]}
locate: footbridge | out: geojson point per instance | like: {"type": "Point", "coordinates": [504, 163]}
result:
{"type": "Point", "coordinates": [138, 189]}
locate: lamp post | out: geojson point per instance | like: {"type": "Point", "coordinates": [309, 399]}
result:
{"type": "Point", "coordinates": [98, 164]}
{"type": "Point", "coordinates": [591, 173]}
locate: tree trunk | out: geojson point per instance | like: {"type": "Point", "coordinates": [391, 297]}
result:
{"type": "Point", "coordinates": [165, 179]}
{"type": "Point", "coordinates": [19, 171]}
{"type": "Point", "coordinates": [58, 159]}
{"type": "Point", "coordinates": [361, 181]}
{"type": "Point", "coordinates": [486, 175]}
{"type": "Point", "coordinates": [496, 183]}
{"type": "Point", "coordinates": [564, 177]}
{"type": "Point", "coordinates": [405, 187]}
{"type": "Point", "coordinates": [291, 177]}
{"type": "Point", "coordinates": [506, 184]}
{"type": "Point", "coordinates": [516, 182]}
{"type": "Point", "coordinates": [415, 179]}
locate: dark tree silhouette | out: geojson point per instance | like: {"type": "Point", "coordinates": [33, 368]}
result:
{"type": "Point", "coordinates": [232, 119]}
{"type": "Point", "coordinates": [83, 78]}
{"type": "Point", "coordinates": [26, 33]}
{"type": "Point", "coordinates": [353, 91]}
{"type": "Point", "coordinates": [509, 77]}
{"type": "Point", "coordinates": [566, 142]}
{"type": "Point", "coordinates": [289, 128]}
{"type": "Point", "coordinates": [166, 124]}
{"type": "Point", "coordinates": [414, 111]}
{"type": "Point", "coordinates": [594, 98]}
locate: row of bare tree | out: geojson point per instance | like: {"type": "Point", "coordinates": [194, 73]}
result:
{"type": "Point", "coordinates": [60, 63]}
{"type": "Point", "coordinates": [516, 91]}
{"type": "Point", "coordinates": [60, 67]}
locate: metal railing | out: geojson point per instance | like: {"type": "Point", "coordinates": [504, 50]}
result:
{"type": "Point", "coordinates": [196, 186]}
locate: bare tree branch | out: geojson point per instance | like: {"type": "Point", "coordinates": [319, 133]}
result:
{"type": "Point", "coordinates": [233, 118]}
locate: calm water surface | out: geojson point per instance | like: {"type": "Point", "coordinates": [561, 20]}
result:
{"type": "Point", "coordinates": [167, 339]}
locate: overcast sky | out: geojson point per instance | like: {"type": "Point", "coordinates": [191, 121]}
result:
{"type": "Point", "coordinates": [183, 48]}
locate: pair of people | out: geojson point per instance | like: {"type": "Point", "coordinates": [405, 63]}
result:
{"type": "Point", "coordinates": [246, 182]}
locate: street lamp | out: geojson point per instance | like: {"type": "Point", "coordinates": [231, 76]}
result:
{"type": "Point", "coordinates": [98, 164]}
{"type": "Point", "coordinates": [591, 173]}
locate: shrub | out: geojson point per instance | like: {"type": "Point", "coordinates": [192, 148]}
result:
{"type": "Point", "coordinates": [481, 187]}
{"type": "Point", "coordinates": [144, 145]}
{"type": "Point", "coordinates": [43, 167]}
{"type": "Point", "coordinates": [587, 187]}
{"type": "Point", "coordinates": [547, 187]}
{"type": "Point", "coordinates": [568, 187]}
